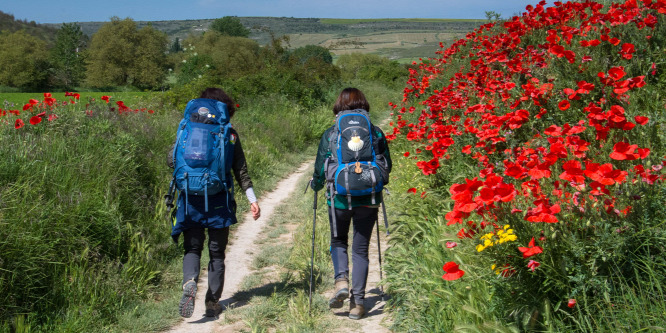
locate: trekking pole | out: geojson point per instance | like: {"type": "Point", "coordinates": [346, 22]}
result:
{"type": "Point", "coordinates": [314, 220]}
{"type": "Point", "coordinates": [379, 251]}
{"type": "Point", "coordinates": [168, 199]}
{"type": "Point", "coordinates": [379, 247]}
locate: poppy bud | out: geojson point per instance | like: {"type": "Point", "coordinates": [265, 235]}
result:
{"type": "Point", "coordinates": [571, 303]}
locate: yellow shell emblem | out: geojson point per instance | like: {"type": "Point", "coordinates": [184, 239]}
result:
{"type": "Point", "coordinates": [355, 144]}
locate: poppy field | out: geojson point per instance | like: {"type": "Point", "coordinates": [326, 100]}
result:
{"type": "Point", "coordinates": [535, 149]}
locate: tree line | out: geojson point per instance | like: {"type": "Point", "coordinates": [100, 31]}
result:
{"type": "Point", "coordinates": [121, 54]}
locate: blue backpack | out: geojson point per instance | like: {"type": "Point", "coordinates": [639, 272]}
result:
{"type": "Point", "coordinates": [202, 155]}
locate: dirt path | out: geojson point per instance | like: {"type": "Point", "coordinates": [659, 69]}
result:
{"type": "Point", "coordinates": [374, 302]}
{"type": "Point", "coordinates": [239, 255]}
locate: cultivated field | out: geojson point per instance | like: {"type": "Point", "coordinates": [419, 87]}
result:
{"type": "Point", "coordinates": [399, 39]}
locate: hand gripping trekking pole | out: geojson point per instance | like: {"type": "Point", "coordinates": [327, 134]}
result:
{"type": "Point", "coordinates": [314, 220]}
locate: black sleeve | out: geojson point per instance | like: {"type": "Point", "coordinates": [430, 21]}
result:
{"type": "Point", "coordinates": [239, 165]}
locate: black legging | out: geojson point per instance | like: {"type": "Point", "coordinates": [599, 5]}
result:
{"type": "Point", "coordinates": [364, 219]}
{"type": "Point", "coordinates": [217, 244]}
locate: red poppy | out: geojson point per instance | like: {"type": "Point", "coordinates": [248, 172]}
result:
{"type": "Point", "coordinates": [412, 190]}
{"type": "Point", "coordinates": [616, 73]}
{"type": "Point", "coordinates": [105, 98]}
{"type": "Point", "coordinates": [641, 120]}
{"type": "Point", "coordinates": [543, 212]}
{"type": "Point", "coordinates": [564, 105]}
{"type": "Point", "coordinates": [643, 152]}
{"type": "Point", "coordinates": [572, 172]}
{"type": "Point", "coordinates": [406, 154]}
{"type": "Point", "coordinates": [532, 265]}
{"type": "Point", "coordinates": [571, 303]}
{"type": "Point", "coordinates": [624, 151]}
{"type": "Point", "coordinates": [531, 250]}
{"type": "Point", "coordinates": [34, 120]}
{"type": "Point", "coordinates": [627, 50]}
{"type": "Point", "coordinates": [450, 245]}
{"type": "Point", "coordinates": [604, 174]}
{"type": "Point", "coordinates": [453, 271]}
{"type": "Point", "coordinates": [553, 130]}
{"type": "Point", "coordinates": [18, 123]}
{"type": "Point", "coordinates": [52, 117]}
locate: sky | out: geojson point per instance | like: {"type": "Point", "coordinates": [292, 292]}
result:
{"type": "Point", "coordinates": [61, 11]}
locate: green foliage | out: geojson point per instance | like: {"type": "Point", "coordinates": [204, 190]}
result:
{"type": "Point", "coordinates": [81, 229]}
{"type": "Point", "coordinates": [120, 54]}
{"type": "Point", "coordinates": [218, 55]}
{"type": "Point", "coordinates": [230, 26]}
{"type": "Point", "coordinates": [308, 52]}
{"type": "Point", "coordinates": [175, 46]}
{"type": "Point", "coordinates": [371, 67]}
{"type": "Point", "coordinates": [23, 60]}
{"type": "Point", "coordinates": [40, 31]}
{"type": "Point", "coordinates": [67, 58]}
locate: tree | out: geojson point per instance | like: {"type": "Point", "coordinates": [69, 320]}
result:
{"type": "Point", "coordinates": [307, 52]}
{"type": "Point", "coordinates": [23, 60]}
{"type": "Point", "coordinates": [149, 68]}
{"type": "Point", "coordinates": [119, 54]}
{"type": "Point", "coordinates": [225, 56]}
{"type": "Point", "coordinates": [492, 15]}
{"type": "Point", "coordinates": [231, 26]}
{"type": "Point", "coordinates": [67, 61]}
{"type": "Point", "coordinates": [175, 46]}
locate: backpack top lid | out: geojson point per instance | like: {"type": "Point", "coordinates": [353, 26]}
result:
{"type": "Point", "coordinates": [207, 110]}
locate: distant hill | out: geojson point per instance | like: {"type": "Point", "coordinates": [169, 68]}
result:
{"type": "Point", "coordinates": [400, 39]}
{"type": "Point", "coordinates": [41, 31]}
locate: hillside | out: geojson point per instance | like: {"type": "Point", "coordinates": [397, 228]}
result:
{"type": "Point", "coordinates": [404, 39]}
{"type": "Point", "coordinates": [45, 32]}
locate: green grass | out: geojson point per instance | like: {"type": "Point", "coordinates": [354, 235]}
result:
{"type": "Point", "coordinates": [84, 240]}
{"type": "Point", "coordinates": [17, 100]}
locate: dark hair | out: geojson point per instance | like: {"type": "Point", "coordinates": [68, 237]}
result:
{"type": "Point", "coordinates": [220, 95]}
{"type": "Point", "coordinates": [351, 99]}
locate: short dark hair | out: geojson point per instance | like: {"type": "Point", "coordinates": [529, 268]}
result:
{"type": "Point", "coordinates": [351, 99]}
{"type": "Point", "coordinates": [220, 95]}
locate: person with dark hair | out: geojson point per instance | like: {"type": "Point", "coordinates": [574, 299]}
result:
{"type": "Point", "coordinates": [362, 210]}
{"type": "Point", "coordinates": [194, 215]}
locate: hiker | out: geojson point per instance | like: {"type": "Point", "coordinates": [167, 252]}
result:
{"type": "Point", "coordinates": [343, 209]}
{"type": "Point", "coordinates": [215, 212]}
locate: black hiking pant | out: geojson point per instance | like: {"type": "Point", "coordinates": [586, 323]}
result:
{"type": "Point", "coordinates": [217, 243]}
{"type": "Point", "coordinates": [364, 220]}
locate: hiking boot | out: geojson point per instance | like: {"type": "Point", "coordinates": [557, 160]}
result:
{"type": "Point", "coordinates": [341, 293]}
{"type": "Point", "coordinates": [356, 311]}
{"type": "Point", "coordinates": [186, 305]}
{"type": "Point", "coordinates": [213, 309]}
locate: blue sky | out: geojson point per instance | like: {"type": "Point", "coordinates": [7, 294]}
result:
{"type": "Point", "coordinates": [50, 11]}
